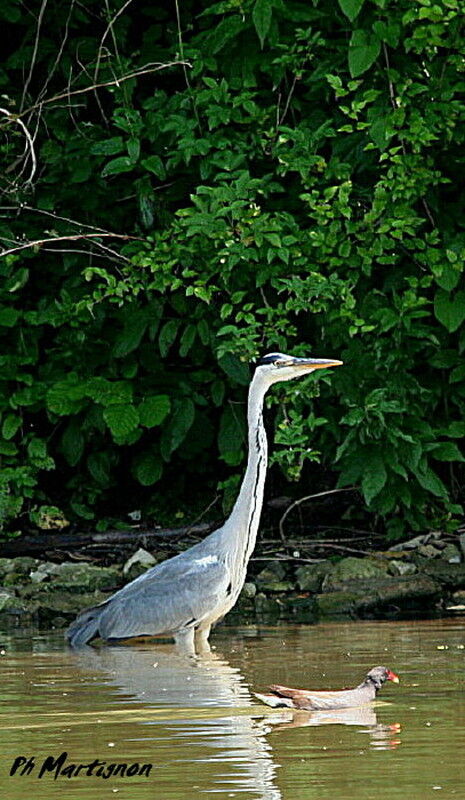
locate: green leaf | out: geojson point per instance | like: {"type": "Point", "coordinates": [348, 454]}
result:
{"type": "Point", "coordinates": [364, 49]}
{"type": "Point", "coordinates": [8, 448]}
{"type": "Point", "coordinates": [66, 397]}
{"type": "Point", "coordinates": [457, 375]}
{"type": "Point", "coordinates": [108, 147]}
{"type": "Point", "coordinates": [235, 368]}
{"type": "Point", "coordinates": [117, 165]}
{"type": "Point", "coordinates": [227, 29]}
{"type": "Point", "coordinates": [72, 443]}
{"type": "Point", "coordinates": [351, 8]}
{"type": "Point", "coordinates": [130, 338]}
{"type": "Point", "coordinates": [449, 277]}
{"type": "Point", "coordinates": [11, 11]}
{"type": "Point", "coordinates": [187, 340]}
{"type": "Point", "coordinates": [174, 432]}
{"type": "Point", "coordinates": [37, 448]}
{"type": "Point", "coordinates": [450, 311]}
{"type": "Point", "coordinates": [447, 451]}
{"type": "Point", "coordinates": [148, 468]}
{"type": "Point", "coordinates": [133, 147]}
{"type": "Point", "coordinates": [378, 132]}
{"type": "Point", "coordinates": [8, 316]}
{"type": "Point", "coordinates": [155, 164]}
{"type": "Point", "coordinates": [10, 426]}
{"type": "Point", "coordinates": [82, 510]}
{"type": "Point", "coordinates": [454, 429]}
{"type": "Point", "coordinates": [168, 335]}
{"type": "Point", "coordinates": [430, 481]}
{"type": "Point", "coordinates": [231, 436]}
{"type": "Point", "coordinates": [121, 419]}
{"type": "Point", "coordinates": [17, 280]}
{"type": "Point", "coordinates": [374, 477]}
{"type": "Point", "coordinates": [261, 17]}
{"type": "Point", "coordinates": [99, 466]}
{"type": "Point", "coordinates": [153, 410]}
{"type": "Point", "coordinates": [109, 393]}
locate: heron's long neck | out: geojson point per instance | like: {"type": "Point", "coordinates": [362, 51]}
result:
{"type": "Point", "coordinates": [242, 525]}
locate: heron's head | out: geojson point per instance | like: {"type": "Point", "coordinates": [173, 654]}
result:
{"type": "Point", "coordinates": [379, 675]}
{"type": "Point", "coordinates": [280, 367]}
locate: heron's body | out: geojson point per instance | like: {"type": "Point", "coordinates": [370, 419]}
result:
{"type": "Point", "coordinates": [185, 595]}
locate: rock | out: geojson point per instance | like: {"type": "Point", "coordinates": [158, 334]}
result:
{"type": "Point", "coordinates": [300, 609]}
{"type": "Point", "coordinates": [10, 603]}
{"type": "Point", "coordinates": [271, 575]}
{"type": "Point", "coordinates": [351, 570]}
{"type": "Point", "coordinates": [413, 544]}
{"type": "Point", "coordinates": [310, 576]}
{"type": "Point", "coordinates": [428, 551]}
{"type": "Point", "coordinates": [338, 604]}
{"type": "Point", "coordinates": [43, 572]}
{"type": "Point", "coordinates": [451, 553]}
{"type": "Point", "coordinates": [388, 596]}
{"type": "Point", "coordinates": [401, 568]}
{"type": "Point", "coordinates": [462, 543]}
{"type": "Point", "coordinates": [407, 592]}
{"type": "Point", "coordinates": [451, 576]}
{"type": "Point", "coordinates": [279, 586]}
{"type": "Point", "coordinates": [19, 566]}
{"type": "Point", "coordinates": [138, 563]}
{"type": "Point", "coordinates": [266, 607]}
{"type": "Point", "coordinates": [249, 590]}
{"type": "Point", "coordinates": [51, 605]}
{"type": "Point", "coordinates": [74, 577]}
{"type": "Point", "coordinates": [459, 596]}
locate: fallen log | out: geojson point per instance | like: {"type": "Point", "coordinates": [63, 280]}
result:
{"type": "Point", "coordinates": [28, 545]}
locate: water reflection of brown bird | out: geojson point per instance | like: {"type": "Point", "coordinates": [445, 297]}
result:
{"type": "Point", "coordinates": [382, 736]}
{"type": "Point", "coordinates": [307, 700]}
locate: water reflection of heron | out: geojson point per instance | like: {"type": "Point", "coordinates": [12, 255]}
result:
{"type": "Point", "coordinates": [230, 745]}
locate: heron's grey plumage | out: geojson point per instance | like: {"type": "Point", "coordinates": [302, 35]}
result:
{"type": "Point", "coordinates": [188, 593]}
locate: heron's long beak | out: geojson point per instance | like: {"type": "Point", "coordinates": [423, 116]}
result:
{"type": "Point", "coordinates": [391, 676]}
{"type": "Point", "coordinates": [317, 363]}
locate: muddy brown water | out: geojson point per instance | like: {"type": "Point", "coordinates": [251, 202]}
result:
{"type": "Point", "coordinates": [205, 735]}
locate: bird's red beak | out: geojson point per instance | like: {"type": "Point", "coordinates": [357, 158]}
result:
{"type": "Point", "coordinates": [391, 676]}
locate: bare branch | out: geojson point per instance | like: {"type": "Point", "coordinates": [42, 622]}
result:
{"type": "Point", "coordinates": [304, 499]}
{"type": "Point", "coordinates": [108, 29]}
{"type": "Point", "coordinates": [56, 217]}
{"type": "Point", "coordinates": [73, 238]}
{"type": "Point", "coordinates": [60, 51]}
{"type": "Point", "coordinates": [146, 70]}
{"type": "Point", "coordinates": [30, 143]}
{"type": "Point", "coordinates": [34, 51]}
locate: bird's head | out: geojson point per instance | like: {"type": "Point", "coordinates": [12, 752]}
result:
{"type": "Point", "coordinates": [281, 367]}
{"type": "Point", "coordinates": [379, 675]}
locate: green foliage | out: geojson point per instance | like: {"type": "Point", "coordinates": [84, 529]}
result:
{"type": "Point", "coordinates": [296, 185]}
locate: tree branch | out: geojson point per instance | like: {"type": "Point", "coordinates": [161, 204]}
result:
{"type": "Point", "coordinates": [70, 238]}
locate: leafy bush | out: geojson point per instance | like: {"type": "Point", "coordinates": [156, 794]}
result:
{"type": "Point", "coordinates": [294, 184]}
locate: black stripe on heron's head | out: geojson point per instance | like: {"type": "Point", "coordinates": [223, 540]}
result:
{"type": "Point", "coordinates": [270, 358]}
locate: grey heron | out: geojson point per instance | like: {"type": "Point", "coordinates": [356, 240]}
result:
{"type": "Point", "coordinates": [185, 595]}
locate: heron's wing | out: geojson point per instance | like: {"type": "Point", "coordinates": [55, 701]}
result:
{"type": "Point", "coordinates": [165, 600]}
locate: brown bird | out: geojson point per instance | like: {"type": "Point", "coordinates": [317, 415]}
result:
{"type": "Point", "coordinates": [305, 700]}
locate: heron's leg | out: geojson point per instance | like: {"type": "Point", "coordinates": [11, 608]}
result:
{"type": "Point", "coordinates": [201, 639]}
{"type": "Point", "coordinates": [185, 641]}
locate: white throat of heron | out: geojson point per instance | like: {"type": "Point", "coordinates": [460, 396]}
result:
{"type": "Point", "coordinates": [242, 525]}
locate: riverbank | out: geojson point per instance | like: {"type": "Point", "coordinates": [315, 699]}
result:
{"type": "Point", "coordinates": [425, 576]}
